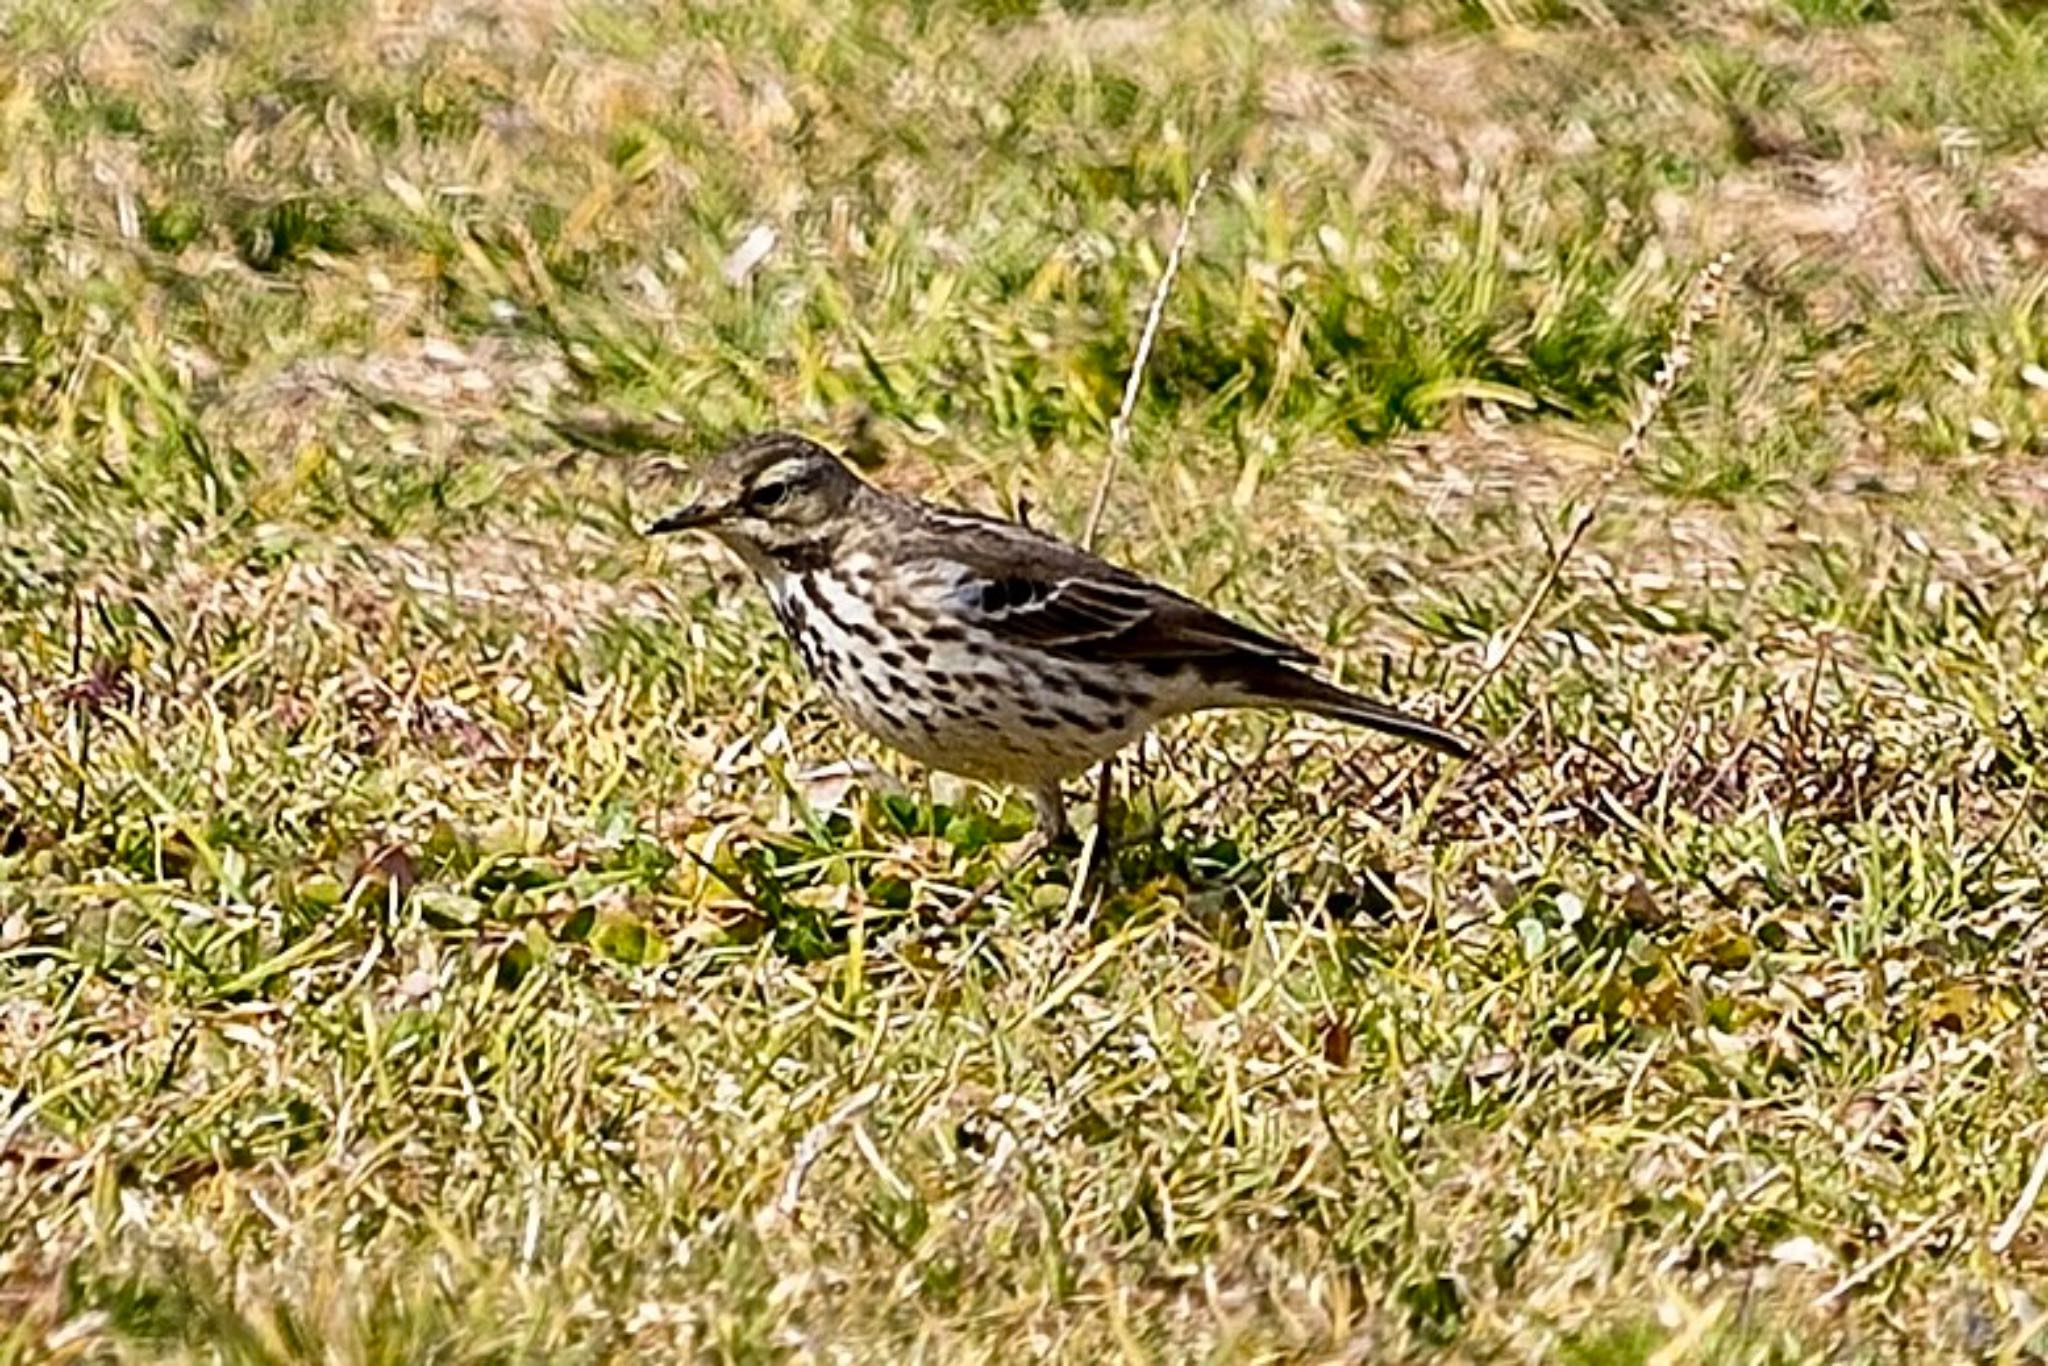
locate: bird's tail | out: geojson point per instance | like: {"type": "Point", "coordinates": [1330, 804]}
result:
{"type": "Point", "coordinates": [1286, 687]}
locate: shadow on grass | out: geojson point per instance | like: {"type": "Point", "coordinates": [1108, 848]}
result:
{"type": "Point", "coordinates": [967, 868]}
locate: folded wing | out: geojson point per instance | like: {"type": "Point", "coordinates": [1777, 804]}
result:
{"type": "Point", "coordinates": [1043, 592]}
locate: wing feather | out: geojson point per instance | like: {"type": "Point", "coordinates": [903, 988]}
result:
{"type": "Point", "coordinates": [1032, 588]}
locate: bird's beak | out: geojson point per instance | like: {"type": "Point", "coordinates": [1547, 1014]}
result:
{"type": "Point", "coordinates": [689, 517]}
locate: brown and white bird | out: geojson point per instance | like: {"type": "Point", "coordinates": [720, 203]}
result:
{"type": "Point", "coordinates": [980, 646]}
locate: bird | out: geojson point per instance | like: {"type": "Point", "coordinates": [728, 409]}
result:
{"type": "Point", "coordinates": [984, 647]}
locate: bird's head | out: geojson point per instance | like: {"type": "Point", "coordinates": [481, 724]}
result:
{"type": "Point", "coordinates": [777, 500]}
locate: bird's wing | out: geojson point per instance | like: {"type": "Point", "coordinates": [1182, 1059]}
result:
{"type": "Point", "coordinates": [1043, 592]}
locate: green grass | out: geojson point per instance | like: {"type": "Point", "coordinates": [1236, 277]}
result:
{"type": "Point", "coordinates": [430, 928]}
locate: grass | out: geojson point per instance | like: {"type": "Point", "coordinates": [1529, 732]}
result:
{"type": "Point", "coordinates": [438, 924]}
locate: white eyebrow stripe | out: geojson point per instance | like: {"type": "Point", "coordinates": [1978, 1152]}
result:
{"type": "Point", "coordinates": [784, 471]}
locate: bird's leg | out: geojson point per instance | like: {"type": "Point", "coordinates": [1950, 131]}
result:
{"type": "Point", "coordinates": [1051, 808]}
{"type": "Point", "coordinates": [1105, 798]}
{"type": "Point", "coordinates": [1095, 854]}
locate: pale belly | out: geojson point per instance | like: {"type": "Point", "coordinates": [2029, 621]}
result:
{"type": "Point", "coordinates": [996, 743]}
{"type": "Point", "coordinates": [961, 702]}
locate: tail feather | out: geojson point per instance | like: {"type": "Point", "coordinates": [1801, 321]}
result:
{"type": "Point", "coordinates": [1285, 687]}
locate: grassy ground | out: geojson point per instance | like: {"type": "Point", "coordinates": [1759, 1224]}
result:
{"type": "Point", "coordinates": [433, 925]}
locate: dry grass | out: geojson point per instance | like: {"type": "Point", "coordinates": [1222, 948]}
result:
{"type": "Point", "coordinates": [437, 924]}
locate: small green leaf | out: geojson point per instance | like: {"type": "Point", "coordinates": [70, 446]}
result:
{"type": "Point", "coordinates": [890, 892]}
{"type": "Point", "coordinates": [513, 964]}
{"type": "Point", "coordinates": [445, 909]}
{"type": "Point", "coordinates": [626, 938]}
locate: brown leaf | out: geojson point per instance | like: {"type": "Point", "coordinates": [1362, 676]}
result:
{"type": "Point", "coordinates": [393, 866]}
{"type": "Point", "coordinates": [1336, 1042]}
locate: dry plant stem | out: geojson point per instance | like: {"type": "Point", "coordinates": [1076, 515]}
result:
{"type": "Point", "coordinates": [1868, 1271]}
{"type": "Point", "coordinates": [1035, 846]}
{"type": "Point", "coordinates": [1120, 426]}
{"type": "Point", "coordinates": [1119, 442]}
{"type": "Point", "coordinates": [2015, 1220]}
{"type": "Point", "coordinates": [1703, 301]}
{"type": "Point", "coordinates": [1095, 851]}
{"type": "Point", "coordinates": [812, 1146]}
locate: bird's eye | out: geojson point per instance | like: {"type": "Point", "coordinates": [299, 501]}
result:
{"type": "Point", "coordinates": [769, 495]}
